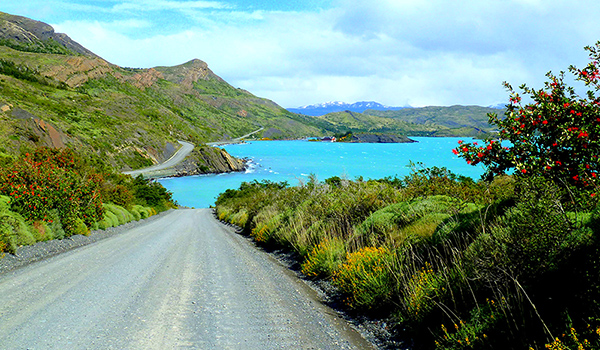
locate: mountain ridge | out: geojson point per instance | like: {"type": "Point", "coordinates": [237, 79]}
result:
{"type": "Point", "coordinates": [128, 116]}
{"type": "Point", "coordinates": [317, 110]}
{"type": "Point", "coordinates": [36, 35]}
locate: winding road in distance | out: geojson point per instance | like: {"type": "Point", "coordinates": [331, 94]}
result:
{"type": "Point", "coordinates": [179, 156]}
{"type": "Point", "coordinates": [182, 281]}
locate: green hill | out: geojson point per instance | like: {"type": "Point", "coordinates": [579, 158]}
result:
{"type": "Point", "coordinates": [471, 121]}
{"type": "Point", "coordinates": [452, 117]}
{"type": "Point", "coordinates": [56, 93]}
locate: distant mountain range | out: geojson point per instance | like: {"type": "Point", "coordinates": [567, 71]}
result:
{"type": "Point", "coordinates": [320, 109]}
{"type": "Point", "coordinates": [332, 107]}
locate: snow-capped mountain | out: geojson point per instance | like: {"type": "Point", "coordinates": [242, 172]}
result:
{"type": "Point", "coordinates": [337, 106]}
{"type": "Point", "coordinates": [498, 106]}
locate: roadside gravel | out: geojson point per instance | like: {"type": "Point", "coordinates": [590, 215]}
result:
{"type": "Point", "coordinates": [376, 331]}
{"type": "Point", "coordinates": [182, 280]}
{"type": "Point", "coordinates": [42, 250]}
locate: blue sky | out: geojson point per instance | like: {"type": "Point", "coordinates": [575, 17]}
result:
{"type": "Point", "coordinates": [396, 52]}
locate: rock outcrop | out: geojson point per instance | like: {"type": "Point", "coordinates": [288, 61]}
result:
{"type": "Point", "coordinates": [209, 160]}
{"type": "Point", "coordinates": [77, 70]}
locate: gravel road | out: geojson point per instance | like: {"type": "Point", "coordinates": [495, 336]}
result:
{"type": "Point", "coordinates": [186, 148]}
{"type": "Point", "coordinates": [183, 281]}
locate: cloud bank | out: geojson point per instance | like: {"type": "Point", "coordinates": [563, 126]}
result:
{"type": "Point", "coordinates": [396, 52]}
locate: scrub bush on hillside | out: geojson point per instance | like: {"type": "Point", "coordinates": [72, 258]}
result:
{"type": "Point", "coordinates": [54, 193]}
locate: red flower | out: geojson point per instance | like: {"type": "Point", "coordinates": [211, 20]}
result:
{"type": "Point", "coordinates": [455, 151]}
{"type": "Point", "coordinates": [524, 171]}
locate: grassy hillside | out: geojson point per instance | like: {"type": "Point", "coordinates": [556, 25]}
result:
{"type": "Point", "coordinates": [428, 121]}
{"type": "Point", "coordinates": [453, 117]}
{"type": "Point", "coordinates": [55, 93]}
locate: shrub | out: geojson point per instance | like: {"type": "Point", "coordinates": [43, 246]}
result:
{"type": "Point", "coordinates": [41, 231]}
{"type": "Point", "coordinates": [409, 220]}
{"type": "Point", "coordinates": [265, 223]}
{"type": "Point", "coordinates": [50, 179]}
{"type": "Point", "coordinates": [119, 195]}
{"type": "Point", "coordinates": [152, 194]}
{"type": "Point", "coordinates": [75, 226]}
{"type": "Point", "coordinates": [556, 136]}
{"type": "Point", "coordinates": [144, 211]}
{"type": "Point", "coordinates": [420, 291]}
{"type": "Point", "coordinates": [240, 218]}
{"type": "Point", "coordinates": [324, 259]}
{"type": "Point", "coordinates": [14, 231]}
{"type": "Point", "coordinates": [365, 278]}
{"type": "Point", "coordinates": [136, 213]}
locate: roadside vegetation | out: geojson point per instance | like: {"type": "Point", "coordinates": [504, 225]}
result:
{"type": "Point", "coordinates": [50, 194]}
{"type": "Point", "coordinates": [508, 262]}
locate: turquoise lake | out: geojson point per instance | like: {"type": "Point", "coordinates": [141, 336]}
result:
{"type": "Point", "coordinates": [294, 161]}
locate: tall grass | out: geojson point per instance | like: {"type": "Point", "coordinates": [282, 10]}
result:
{"type": "Point", "coordinates": [457, 264]}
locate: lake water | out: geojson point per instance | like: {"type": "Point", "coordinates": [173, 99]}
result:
{"type": "Point", "coordinates": [294, 161]}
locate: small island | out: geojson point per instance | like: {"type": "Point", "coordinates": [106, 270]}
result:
{"type": "Point", "coordinates": [363, 137]}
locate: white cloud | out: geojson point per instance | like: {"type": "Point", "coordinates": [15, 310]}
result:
{"type": "Point", "coordinates": [394, 52]}
{"type": "Point", "coordinates": [159, 5]}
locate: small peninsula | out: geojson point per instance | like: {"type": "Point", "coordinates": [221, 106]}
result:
{"type": "Point", "coordinates": [363, 137]}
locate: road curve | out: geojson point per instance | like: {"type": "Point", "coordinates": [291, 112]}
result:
{"type": "Point", "coordinates": [235, 140]}
{"type": "Point", "coordinates": [184, 151]}
{"type": "Point", "coordinates": [184, 281]}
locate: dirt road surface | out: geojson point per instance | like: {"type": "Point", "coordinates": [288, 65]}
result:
{"type": "Point", "coordinates": [184, 281]}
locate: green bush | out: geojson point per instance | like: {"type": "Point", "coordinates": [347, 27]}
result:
{"type": "Point", "coordinates": [143, 211]}
{"type": "Point", "coordinates": [409, 220]}
{"type": "Point", "coordinates": [365, 278]}
{"type": "Point", "coordinates": [555, 136]}
{"type": "Point", "coordinates": [324, 259]}
{"type": "Point", "coordinates": [14, 231]}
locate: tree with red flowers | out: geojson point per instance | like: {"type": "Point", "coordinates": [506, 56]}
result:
{"type": "Point", "coordinates": [556, 135]}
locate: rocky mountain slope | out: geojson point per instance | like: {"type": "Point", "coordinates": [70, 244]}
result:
{"type": "Point", "coordinates": [56, 93]}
